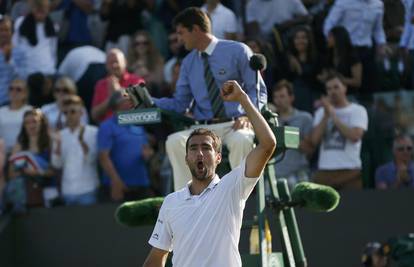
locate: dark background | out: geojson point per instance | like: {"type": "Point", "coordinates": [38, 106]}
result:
{"type": "Point", "coordinates": [89, 236]}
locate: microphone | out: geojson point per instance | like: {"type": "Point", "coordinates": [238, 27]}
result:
{"type": "Point", "coordinates": [139, 213]}
{"type": "Point", "coordinates": [315, 197]}
{"type": "Point", "coordinates": [258, 62]}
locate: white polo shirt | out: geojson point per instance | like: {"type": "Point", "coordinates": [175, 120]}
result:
{"type": "Point", "coordinates": [204, 230]}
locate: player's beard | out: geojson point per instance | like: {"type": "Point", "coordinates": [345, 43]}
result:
{"type": "Point", "coordinates": [203, 173]}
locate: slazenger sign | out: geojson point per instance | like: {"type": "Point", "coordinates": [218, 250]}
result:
{"type": "Point", "coordinates": [143, 116]}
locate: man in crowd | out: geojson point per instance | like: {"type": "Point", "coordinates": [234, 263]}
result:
{"type": "Point", "coordinates": [295, 165]}
{"type": "Point", "coordinates": [196, 218]}
{"type": "Point", "coordinates": [210, 63]}
{"type": "Point", "coordinates": [76, 154]}
{"type": "Point", "coordinates": [338, 127]}
{"type": "Point", "coordinates": [118, 77]}
{"type": "Point", "coordinates": [400, 171]}
{"type": "Point", "coordinates": [123, 152]}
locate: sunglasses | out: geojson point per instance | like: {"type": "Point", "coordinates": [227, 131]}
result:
{"type": "Point", "coordinates": [16, 88]}
{"type": "Point", "coordinates": [63, 90]}
{"type": "Point", "coordinates": [404, 148]}
{"type": "Point", "coordinates": [70, 111]}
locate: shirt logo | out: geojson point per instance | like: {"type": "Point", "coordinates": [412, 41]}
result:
{"type": "Point", "coordinates": [155, 236]}
{"type": "Point", "coordinates": [160, 221]}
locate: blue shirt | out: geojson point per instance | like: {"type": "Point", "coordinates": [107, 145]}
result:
{"type": "Point", "coordinates": [387, 174]}
{"type": "Point", "coordinates": [229, 60]}
{"type": "Point", "coordinates": [11, 70]}
{"type": "Point", "coordinates": [125, 145]}
{"type": "Point", "coordinates": [78, 21]}
{"type": "Point", "coordinates": [407, 37]}
{"type": "Point", "coordinates": [362, 18]}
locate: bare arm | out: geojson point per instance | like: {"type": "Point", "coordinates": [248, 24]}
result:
{"type": "Point", "coordinates": [99, 110]}
{"type": "Point", "coordinates": [117, 185]}
{"type": "Point", "coordinates": [156, 258]}
{"type": "Point", "coordinates": [318, 131]}
{"type": "Point", "coordinates": [257, 159]}
{"type": "Point", "coordinates": [352, 133]}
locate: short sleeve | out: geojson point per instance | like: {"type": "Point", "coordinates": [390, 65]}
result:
{"type": "Point", "coordinates": [238, 184]}
{"type": "Point", "coordinates": [161, 236]}
{"type": "Point", "coordinates": [360, 118]}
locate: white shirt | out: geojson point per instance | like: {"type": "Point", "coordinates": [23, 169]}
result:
{"type": "Point", "coordinates": [10, 124]}
{"type": "Point", "coordinates": [76, 62]}
{"type": "Point", "coordinates": [407, 37]}
{"type": "Point", "coordinates": [223, 20]}
{"type": "Point", "coordinates": [271, 12]}
{"type": "Point", "coordinates": [204, 230]}
{"type": "Point", "coordinates": [362, 18]}
{"type": "Point", "coordinates": [42, 57]}
{"type": "Point", "coordinates": [52, 114]}
{"type": "Point", "coordinates": [336, 152]}
{"type": "Point", "coordinates": [80, 174]}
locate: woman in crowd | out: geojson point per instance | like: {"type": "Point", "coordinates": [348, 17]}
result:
{"type": "Point", "coordinates": [64, 87]}
{"type": "Point", "coordinates": [30, 172]}
{"type": "Point", "coordinates": [145, 60]}
{"type": "Point", "coordinates": [343, 58]}
{"type": "Point", "coordinates": [302, 67]}
{"type": "Point", "coordinates": [11, 115]}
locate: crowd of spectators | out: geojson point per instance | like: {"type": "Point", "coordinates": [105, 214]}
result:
{"type": "Point", "coordinates": [63, 64]}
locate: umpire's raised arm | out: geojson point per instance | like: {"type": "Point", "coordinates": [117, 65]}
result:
{"type": "Point", "coordinates": [257, 159]}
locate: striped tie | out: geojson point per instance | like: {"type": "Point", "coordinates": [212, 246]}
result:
{"type": "Point", "coordinates": [213, 90]}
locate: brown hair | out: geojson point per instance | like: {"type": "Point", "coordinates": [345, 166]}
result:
{"type": "Point", "coordinates": [205, 132]}
{"type": "Point", "coordinates": [73, 100]}
{"type": "Point", "coordinates": [154, 57]}
{"type": "Point", "coordinates": [193, 16]}
{"type": "Point", "coordinates": [43, 141]}
{"type": "Point", "coordinates": [284, 84]}
{"type": "Point", "coordinates": [332, 74]}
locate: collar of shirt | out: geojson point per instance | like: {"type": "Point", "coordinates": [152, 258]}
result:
{"type": "Point", "coordinates": [211, 46]}
{"type": "Point", "coordinates": [187, 193]}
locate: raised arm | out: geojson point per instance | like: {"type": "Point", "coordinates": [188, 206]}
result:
{"type": "Point", "coordinates": [257, 159]}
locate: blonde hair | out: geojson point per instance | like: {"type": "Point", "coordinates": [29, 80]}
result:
{"type": "Point", "coordinates": [68, 83]}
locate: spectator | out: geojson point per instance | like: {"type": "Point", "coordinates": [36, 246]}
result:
{"type": "Point", "coordinates": [41, 89]}
{"type": "Point", "coordinates": [338, 127]}
{"type": "Point", "coordinates": [123, 152]}
{"type": "Point", "coordinates": [399, 172]}
{"type": "Point", "coordinates": [177, 52]}
{"type": "Point", "coordinates": [85, 65]}
{"type": "Point", "coordinates": [363, 20]}
{"type": "Point", "coordinates": [302, 67]}
{"type": "Point", "coordinates": [295, 165]}
{"type": "Point", "coordinates": [273, 68]}
{"type": "Point", "coordinates": [374, 255]}
{"type": "Point", "coordinates": [11, 59]}
{"type": "Point", "coordinates": [118, 77]}
{"type": "Point", "coordinates": [145, 60]}
{"type": "Point", "coordinates": [74, 30]}
{"type": "Point", "coordinates": [11, 116]}
{"type": "Point", "coordinates": [262, 16]}
{"type": "Point", "coordinates": [54, 112]}
{"type": "Point", "coordinates": [223, 20]}
{"type": "Point", "coordinates": [343, 58]}
{"type": "Point", "coordinates": [407, 41]}
{"type": "Point", "coordinates": [76, 153]}
{"type": "Point", "coordinates": [123, 18]}
{"type": "Point", "coordinates": [2, 175]}
{"type": "Point", "coordinates": [29, 162]}
{"type": "Point", "coordinates": [36, 35]}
